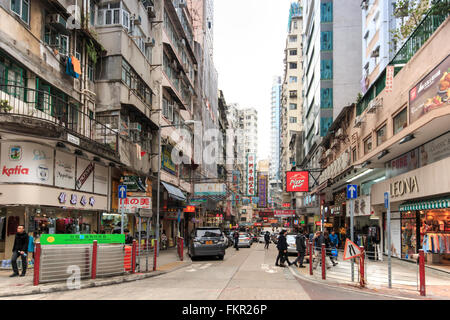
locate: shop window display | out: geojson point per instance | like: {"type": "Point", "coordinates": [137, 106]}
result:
{"type": "Point", "coordinates": [49, 221]}
{"type": "Point", "coordinates": [435, 236]}
{"type": "Point", "coordinates": [409, 235]}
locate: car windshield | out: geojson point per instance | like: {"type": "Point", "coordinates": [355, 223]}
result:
{"type": "Point", "coordinates": [208, 233]}
{"type": "Point", "coordinates": [243, 235]}
{"type": "Point", "coordinates": [290, 238]}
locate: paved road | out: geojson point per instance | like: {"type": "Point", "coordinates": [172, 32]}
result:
{"type": "Point", "coordinates": [247, 274]}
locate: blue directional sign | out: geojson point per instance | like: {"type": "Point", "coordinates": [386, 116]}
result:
{"type": "Point", "coordinates": [122, 191]}
{"type": "Point", "coordinates": [386, 200]}
{"type": "Point", "coordinates": [352, 191]}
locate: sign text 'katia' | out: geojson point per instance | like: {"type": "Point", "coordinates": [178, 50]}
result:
{"type": "Point", "coordinates": [15, 171]}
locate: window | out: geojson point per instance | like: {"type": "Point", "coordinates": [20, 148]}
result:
{"type": "Point", "coordinates": [22, 9]}
{"type": "Point", "coordinates": [295, 25]}
{"type": "Point", "coordinates": [368, 145]}
{"type": "Point", "coordinates": [293, 106]}
{"type": "Point", "coordinates": [292, 119]}
{"type": "Point", "coordinates": [381, 135]}
{"type": "Point", "coordinates": [64, 46]}
{"type": "Point", "coordinates": [292, 38]}
{"type": "Point", "coordinates": [326, 12]}
{"type": "Point", "coordinates": [400, 121]}
{"type": "Point", "coordinates": [292, 79]}
{"type": "Point", "coordinates": [167, 109]}
{"type": "Point", "coordinates": [293, 94]}
{"type": "Point", "coordinates": [92, 12]}
{"type": "Point", "coordinates": [354, 154]}
{"type": "Point", "coordinates": [113, 13]}
{"type": "Point", "coordinates": [326, 41]}
{"type": "Point", "coordinates": [90, 69]}
{"type": "Point", "coordinates": [326, 69]}
{"type": "Point", "coordinates": [293, 52]}
{"type": "Point", "coordinates": [292, 65]}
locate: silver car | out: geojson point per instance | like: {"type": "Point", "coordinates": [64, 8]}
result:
{"type": "Point", "coordinates": [244, 240]}
{"type": "Point", "coordinates": [292, 247]}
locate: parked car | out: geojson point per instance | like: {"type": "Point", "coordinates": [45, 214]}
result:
{"type": "Point", "coordinates": [244, 240]}
{"type": "Point", "coordinates": [229, 236]}
{"type": "Point", "coordinates": [254, 237]}
{"type": "Point", "coordinates": [207, 241]}
{"type": "Point", "coordinates": [261, 238]}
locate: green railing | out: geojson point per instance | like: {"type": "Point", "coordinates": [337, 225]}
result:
{"type": "Point", "coordinates": [416, 40]}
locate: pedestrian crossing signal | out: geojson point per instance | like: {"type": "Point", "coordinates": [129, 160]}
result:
{"type": "Point", "coordinates": [351, 250]}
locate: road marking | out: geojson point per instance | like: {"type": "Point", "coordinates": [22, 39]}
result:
{"type": "Point", "coordinates": [206, 266]}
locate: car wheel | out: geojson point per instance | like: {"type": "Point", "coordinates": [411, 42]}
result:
{"type": "Point", "coordinates": [193, 258]}
{"type": "Point", "coordinates": [221, 257]}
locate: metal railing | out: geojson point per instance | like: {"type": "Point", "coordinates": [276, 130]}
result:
{"type": "Point", "coordinates": [42, 105]}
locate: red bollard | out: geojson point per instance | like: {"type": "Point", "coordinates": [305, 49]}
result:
{"type": "Point", "coordinates": [155, 254]}
{"type": "Point", "coordinates": [94, 260]}
{"type": "Point", "coordinates": [133, 257]}
{"type": "Point", "coordinates": [422, 272]}
{"type": "Point", "coordinates": [310, 258]}
{"type": "Point", "coordinates": [362, 281]}
{"type": "Point", "coordinates": [323, 261]}
{"type": "Point", "coordinates": [37, 264]}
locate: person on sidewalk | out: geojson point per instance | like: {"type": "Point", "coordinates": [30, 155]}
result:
{"type": "Point", "coordinates": [300, 242]}
{"type": "Point", "coordinates": [20, 249]}
{"type": "Point", "coordinates": [128, 237]}
{"type": "Point", "coordinates": [334, 239]}
{"type": "Point", "coordinates": [282, 247]}
{"type": "Point", "coordinates": [318, 240]}
{"type": "Point", "coordinates": [328, 248]}
{"type": "Point", "coordinates": [236, 240]}
{"type": "Point", "coordinates": [267, 240]}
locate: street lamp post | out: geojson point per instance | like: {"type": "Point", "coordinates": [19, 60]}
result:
{"type": "Point", "coordinates": [159, 175]}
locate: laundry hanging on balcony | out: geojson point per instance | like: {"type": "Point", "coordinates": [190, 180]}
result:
{"type": "Point", "coordinates": [73, 62]}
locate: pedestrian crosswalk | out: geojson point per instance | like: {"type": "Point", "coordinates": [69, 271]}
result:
{"type": "Point", "coordinates": [196, 267]}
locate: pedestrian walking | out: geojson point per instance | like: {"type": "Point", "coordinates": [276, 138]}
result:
{"type": "Point", "coordinates": [318, 240]}
{"type": "Point", "coordinates": [236, 240]}
{"type": "Point", "coordinates": [334, 239]}
{"type": "Point", "coordinates": [20, 249]}
{"type": "Point", "coordinates": [328, 248]}
{"type": "Point", "coordinates": [267, 240]}
{"type": "Point", "coordinates": [300, 242]}
{"type": "Point", "coordinates": [31, 241]}
{"type": "Point", "coordinates": [282, 250]}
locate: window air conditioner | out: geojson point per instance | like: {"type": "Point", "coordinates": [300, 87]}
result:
{"type": "Point", "coordinates": [52, 18]}
{"type": "Point", "coordinates": [358, 122]}
{"type": "Point", "coordinates": [182, 4]}
{"type": "Point", "coordinates": [339, 133]}
{"type": "Point", "coordinates": [135, 126]}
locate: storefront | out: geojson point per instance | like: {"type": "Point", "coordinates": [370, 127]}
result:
{"type": "Point", "coordinates": [420, 212]}
{"type": "Point", "coordinates": [49, 191]}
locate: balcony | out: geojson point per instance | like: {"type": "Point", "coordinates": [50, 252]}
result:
{"type": "Point", "coordinates": [40, 105]}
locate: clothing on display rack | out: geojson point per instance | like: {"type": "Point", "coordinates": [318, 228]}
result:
{"type": "Point", "coordinates": [436, 243]}
{"type": "Point", "coordinates": [2, 228]}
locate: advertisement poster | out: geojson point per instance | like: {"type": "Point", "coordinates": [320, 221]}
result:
{"type": "Point", "coordinates": [85, 175]}
{"type": "Point", "coordinates": [431, 93]}
{"type": "Point", "coordinates": [26, 162]}
{"type": "Point", "coordinates": [166, 160]}
{"type": "Point", "coordinates": [297, 181]}
{"type": "Point", "coordinates": [101, 179]}
{"type": "Point", "coordinates": [435, 150]}
{"type": "Point", "coordinates": [402, 164]}
{"type": "Point", "coordinates": [396, 247]}
{"type": "Point", "coordinates": [210, 189]}
{"type": "Point", "coordinates": [65, 170]}
{"type": "Point", "coordinates": [251, 174]}
{"type": "Point", "coordinates": [262, 190]}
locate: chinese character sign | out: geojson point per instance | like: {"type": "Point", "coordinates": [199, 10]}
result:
{"type": "Point", "coordinates": [262, 190]}
{"type": "Point", "coordinates": [251, 174]}
{"type": "Point", "coordinates": [132, 204]}
{"type": "Point", "coordinates": [389, 78]}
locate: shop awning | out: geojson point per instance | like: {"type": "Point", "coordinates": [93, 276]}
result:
{"type": "Point", "coordinates": [174, 192]}
{"type": "Point", "coordinates": [426, 205]}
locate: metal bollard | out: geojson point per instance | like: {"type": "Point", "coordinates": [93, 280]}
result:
{"type": "Point", "coordinates": [133, 257]}
{"type": "Point", "coordinates": [323, 261]}
{"type": "Point", "coordinates": [37, 264]}
{"type": "Point", "coordinates": [181, 248]}
{"type": "Point", "coordinates": [362, 282]}
{"type": "Point", "coordinates": [155, 254]}
{"type": "Point", "coordinates": [422, 272]}
{"type": "Point", "coordinates": [310, 258]}
{"type": "Point", "coordinates": [94, 259]}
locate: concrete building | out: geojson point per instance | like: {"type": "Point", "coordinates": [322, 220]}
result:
{"type": "Point", "coordinates": [275, 142]}
{"type": "Point", "coordinates": [331, 60]}
{"type": "Point", "coordinates": [292, 100]}
{"type": "Point", "coordinates": [395, 141]}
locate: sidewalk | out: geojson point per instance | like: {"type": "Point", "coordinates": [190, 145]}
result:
{"type": "Point", "coordinates": [167, 261]}
{"type": "Point", "coordinates": [405, 278]}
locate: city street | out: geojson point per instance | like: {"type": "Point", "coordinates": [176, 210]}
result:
{"type": "Point", "coordinates": [247, 274]}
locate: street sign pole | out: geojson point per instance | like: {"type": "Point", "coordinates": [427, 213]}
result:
{"type": "Point", "coordinates": [122, 192]}
{"type": "Point", "coordinates": [387, 195]}
{"type": "Point", "coordinates": [121, 216]}
{"type": "Point", "coordinates": [351, 234]}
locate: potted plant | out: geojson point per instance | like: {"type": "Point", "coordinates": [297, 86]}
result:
{"type": "Point", "coordinates": [4, 106]}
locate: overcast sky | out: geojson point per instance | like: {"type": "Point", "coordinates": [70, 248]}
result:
{"type": "Point", "coordinates": [249, 42]}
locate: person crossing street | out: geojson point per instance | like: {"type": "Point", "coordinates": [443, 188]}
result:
{"type": "Point", "coordinates": [282, 247]}
{"type": "Point", "coordinates": [267, 240]}
{"type": "Point", "coordinates": [300, 242]}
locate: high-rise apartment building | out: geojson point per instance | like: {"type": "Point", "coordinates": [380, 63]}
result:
{"type": "Point", "coordinates": [275, 138]}
{"type": "Point", "coordinates": [292, 100]}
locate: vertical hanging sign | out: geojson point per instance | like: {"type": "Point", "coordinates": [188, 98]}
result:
{"type": "Point", "coordinates": [389, 78]}
{"type": "Point", "coordinates": [251, 171]}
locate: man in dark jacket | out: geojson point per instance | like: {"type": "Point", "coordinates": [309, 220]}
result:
{"type": "Point", "coordinates": [282, 247]}
{"type": "Point", "coordinates": [267, 240]}
{"type": "Point", "coordinates": [300, 242]}
{"type": "Point", "coordinates": [318, 240]}
{"type": "Point", "coordinates": [236, 240]}
{"type": "Point", "coordinates": [20, 248]}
